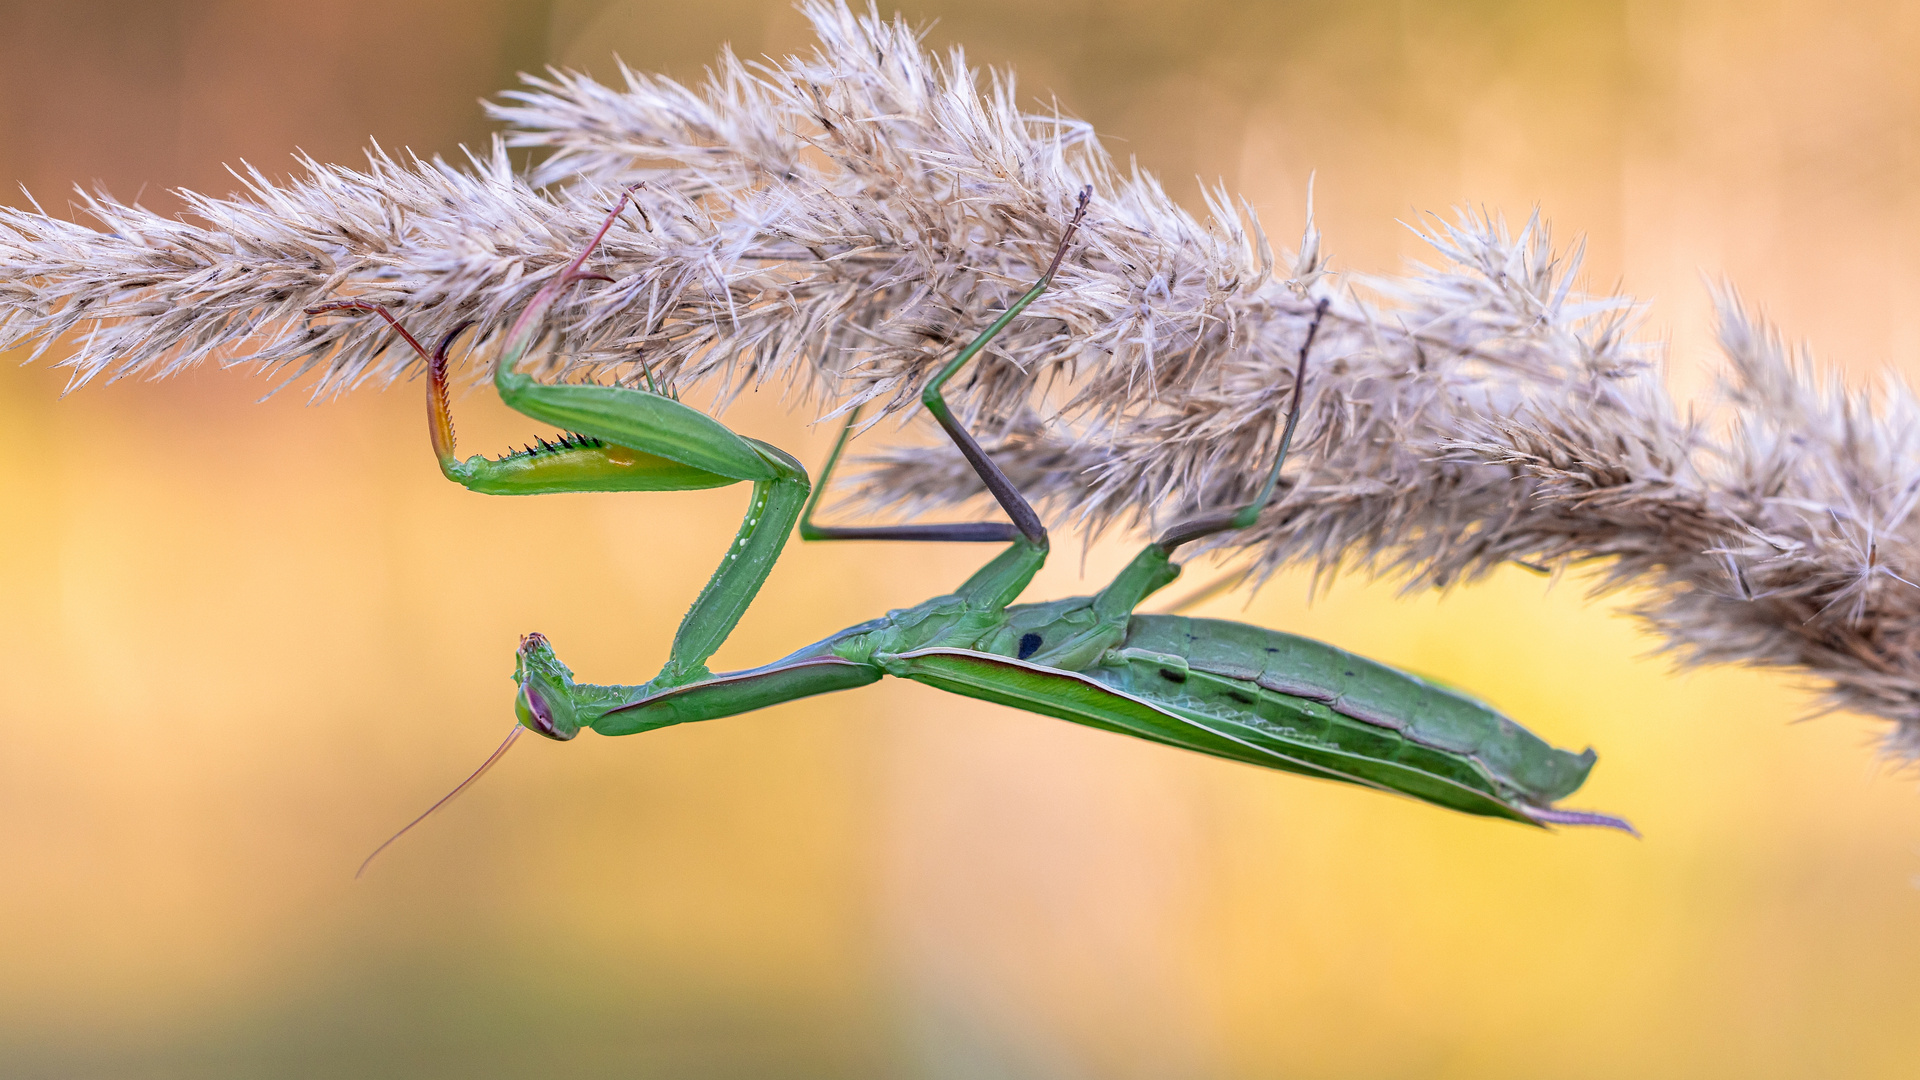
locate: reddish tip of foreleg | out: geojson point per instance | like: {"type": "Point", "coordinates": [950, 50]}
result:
{"type": "Point", "coordinates": [439, 403]}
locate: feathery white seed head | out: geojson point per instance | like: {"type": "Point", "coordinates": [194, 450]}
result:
{"type": "Point", "coordinates": [840, 223]}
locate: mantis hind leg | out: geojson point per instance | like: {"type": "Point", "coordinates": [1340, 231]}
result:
{"type": "Point", "coordinates": [1243, 516]}
{"type": "Point", "coordinates": [1154, 568]}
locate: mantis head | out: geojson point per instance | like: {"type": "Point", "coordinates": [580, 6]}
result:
{"type": "Point", "coordinates": [545, 701]}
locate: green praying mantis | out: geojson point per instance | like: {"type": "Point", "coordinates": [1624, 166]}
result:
{"type": "Point", "coordinates": [1234, 691]}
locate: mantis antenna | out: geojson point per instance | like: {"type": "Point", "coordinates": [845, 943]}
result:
{"type": "Point", "coordinates": [505, 745]}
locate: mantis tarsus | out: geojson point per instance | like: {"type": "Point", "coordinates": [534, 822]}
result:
{"type": "Point", "coordinates": [1227, 689]}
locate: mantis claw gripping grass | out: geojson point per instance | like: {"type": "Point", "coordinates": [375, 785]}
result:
{"type": "Point", "coordinates": [1234, 691]}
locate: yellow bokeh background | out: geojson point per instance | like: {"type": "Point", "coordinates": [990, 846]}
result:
{"type": "Point", "coordinates": [243, 641]}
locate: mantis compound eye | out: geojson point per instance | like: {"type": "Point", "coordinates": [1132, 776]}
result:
{"type": "Point", "coordinates": [534, 712]}
{"type": "Point", "coordinates": [543, 704]}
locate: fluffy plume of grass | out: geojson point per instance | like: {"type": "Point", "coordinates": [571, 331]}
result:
{"type": "Point", "coordinates": [1521, 426]}
{"type": "Point", "coordinates": [840, 223]}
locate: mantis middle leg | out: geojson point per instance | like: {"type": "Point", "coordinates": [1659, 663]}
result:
{"type": "Point", "coordinates": [1001, 581]}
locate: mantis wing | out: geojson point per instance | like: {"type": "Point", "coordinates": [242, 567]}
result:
{"type": "Point", "coordinates": [1073, 696]}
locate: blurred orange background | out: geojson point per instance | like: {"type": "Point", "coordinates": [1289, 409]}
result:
{"type": "Point", "coordinates": [245, 641]}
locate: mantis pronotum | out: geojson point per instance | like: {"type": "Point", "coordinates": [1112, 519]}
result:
{"type": "Point", "coordinates": [1222, 688]}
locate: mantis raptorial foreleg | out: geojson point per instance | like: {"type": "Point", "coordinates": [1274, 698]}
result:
{"type": "Point", "coordinates": [621, 439]}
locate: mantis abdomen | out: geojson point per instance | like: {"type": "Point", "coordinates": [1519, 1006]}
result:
{"type": "Point", "coordinates": [1344, 714]}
